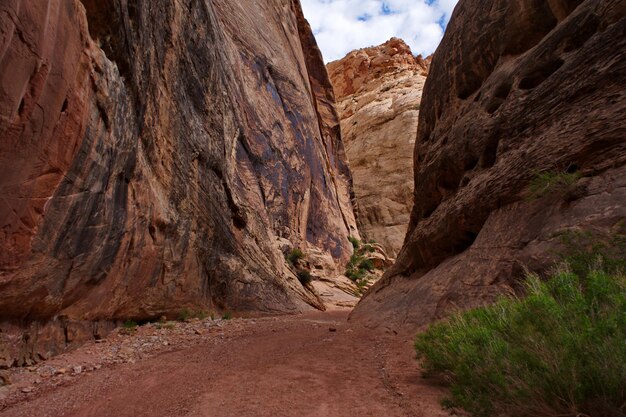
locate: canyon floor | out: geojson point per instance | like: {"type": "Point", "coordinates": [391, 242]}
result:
{"type": "Point", "coordinates": [316, 364]}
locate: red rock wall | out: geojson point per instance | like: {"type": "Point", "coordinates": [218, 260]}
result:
{"type": "Point", "coordinates": [378, 92]}
{"type": "Point", "coordinates": [515, 88]}
{"type": "Point", "coordinates": [151, 156]}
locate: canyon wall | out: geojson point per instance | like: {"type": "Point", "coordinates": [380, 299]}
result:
{"type": "Point", "coordinates": [378, 92]}
{"type": "Point", "coordinates": [521, 142]}
{"type": "Point", "coordinates": [152, 156]}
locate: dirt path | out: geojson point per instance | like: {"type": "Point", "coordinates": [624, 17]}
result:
{"type": "Point", "coordinates": [282, 366]}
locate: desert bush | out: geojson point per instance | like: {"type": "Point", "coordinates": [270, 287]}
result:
{"type": "Point", "coordinates": [361, 284]}
{"type": "Point", "coordinates": [294, 255]}
{"type": "Point", "coordinates": [184, 315]}
{"type": "Point", "coordinates": [201, 314]}
{"type": "Point", "coordinates": [358, 266]}
{"type": "Point", "coordinates": [584, 250]}
{"type": "Point", "coordinates": [352, 268]}
{"type": "Point", "coordinates": [560, 351]}
{"type": "Point", "coordinates": [552, 183]}
{"type": "Point", "coordinates": [166, 325]}
{"type": "Point", "coordinates": [369, 248]}
{"type": "Point", "coordinates": [304, 276]}
{"type": "Point", "coordinates": [367, 265]}
{"type": "Point", "coordinates": [354, 274]}
{"type": "Point", "coordinates": [187, 314]}
{"type": "Point", "coordinates": [355, 242]}
{"type": "Point", "coordinates": [130, 325]}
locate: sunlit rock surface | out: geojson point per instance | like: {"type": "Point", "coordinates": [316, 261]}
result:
{"type": "Point", "coordinates": [378, 92]}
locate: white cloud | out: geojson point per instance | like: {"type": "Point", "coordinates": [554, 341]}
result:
{"type": "Point", "coordinates": [343, 25]}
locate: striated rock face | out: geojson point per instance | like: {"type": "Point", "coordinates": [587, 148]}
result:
{"type": "Point", "coordinates": [378, 93]}
{"type": "Point", "coordinates": [516, 88]}
{"type": "Point", "coordinates": [152, 154]}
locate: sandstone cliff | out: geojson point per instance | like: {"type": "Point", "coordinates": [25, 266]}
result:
{"type": "Point", "coordinates": [151, 156]}
{"type": "Point", "coordinates": [518, 91]}
{"type": "Point", "coordinates": [378, 93]}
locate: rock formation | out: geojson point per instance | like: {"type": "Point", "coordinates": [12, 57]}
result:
{"type": "Point", "coordinates": [378, 93]}
{"type": "Point", "coordinates": [518, 91]}
{"type": "Point", "coordinates": [151, 156]}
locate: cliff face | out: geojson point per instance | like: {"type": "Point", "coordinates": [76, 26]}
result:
{"type": "Point", "coordinates": [152, 155]}
{"type": "Point", "coordinates": [518, 92]}
{"type": "Point", "coordinates": [378, 93]}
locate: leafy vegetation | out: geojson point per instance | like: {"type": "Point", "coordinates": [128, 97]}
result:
{"type": "Point", "coordinates": [130, 325]}
{"type": "Point", "coordinates": [366, 265]}
{"type": "Point", "coordinates": [359, 265]}
{"type": "Point", "coordinates": [166, 325]}
{"type": "Point", "coordinates": [304, 276]}
{"type": "Point", "coordinates": [355, 275]}
{"type": "Point", "coordinates": [292, 258]}
{"type": "Point", "coordinates": [202, 314]}
{"type": "Point", "coordinates": [294, 255]}
{"type": "Point", "coordinates": [585, 250]}
{"type": "Point", "coordinates": [552, 183]}
{"type": "Point", "coordinates": [227, 315]}
{"type": "Point", "coordinates": [184, 315]}
{"type": "Point", "coordinates": [353, 268]}
{"type": "Point", "coordinates": [559, 351]}
{"type": "Point", "coordinates": [369, 248]}
{"type": "Point", "coordinates": [187, 314]}
{"type": "Point", "coordinates": [355, 242]}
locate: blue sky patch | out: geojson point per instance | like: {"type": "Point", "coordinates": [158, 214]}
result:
{"type": "Point", "coordinates": [341, 26]}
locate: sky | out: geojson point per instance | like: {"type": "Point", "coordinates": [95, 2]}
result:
{"type": "Point", "coordinates": [343, 25]}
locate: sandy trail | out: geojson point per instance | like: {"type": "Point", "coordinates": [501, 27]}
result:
{"type": "Point", "coordinates": [279, 366]}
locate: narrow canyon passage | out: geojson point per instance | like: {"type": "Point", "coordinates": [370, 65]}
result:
{"type": "Point", "coordinates": [315, 364]}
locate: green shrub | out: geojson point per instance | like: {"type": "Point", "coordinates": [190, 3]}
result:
{"type": "Point", "coordinates": [358, 266]}
{"type": "Point", "coordinates": [293, 256]}
{"type": "Point", "coordinates": [362, 284]}
{"type": "Point", "coordinates": [369, 248]}
{"type": "Point", "coordinates": [561, 351]}
{"type": "Point", "coordinates": [585, 251]}
{"type": "Point", "coordinates": [367, 265]}
{"type": "Point", "coordinates": [354, 274]}
{"type": "Point", "coordinates": [130, 325]}
{"type": "Point", "coordinates": [166, 325]}
{"type": "Point", "coordinates": [355, 242]}
{"type": "Point", "coordinates": [227, 315]}
{"type": "Point", "coordinates": [184, 315]}
{"type": "Point", "coordinates": [354, 260]}
{"type": "Point", "coordinates": [304, 276]}
{"type": "Point", "coordinates": [352, 270]}
{"type": "Point", "coordinates": [552, 182]}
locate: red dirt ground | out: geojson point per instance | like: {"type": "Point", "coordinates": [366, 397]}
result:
{"type": "Point", "coordinates": [278, 366]}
